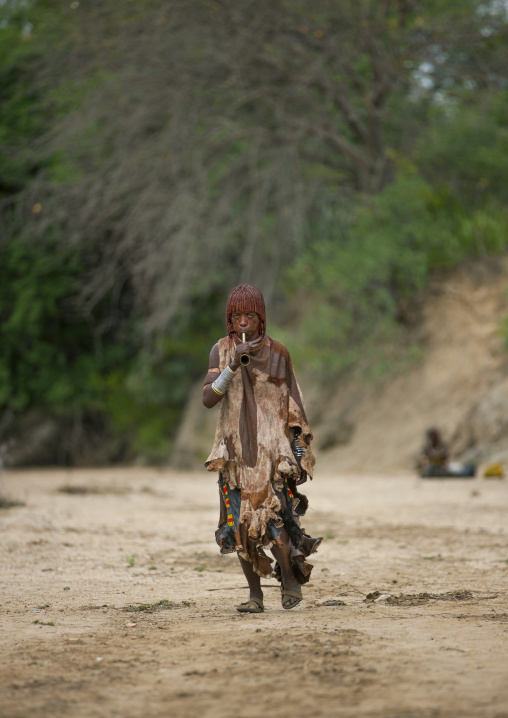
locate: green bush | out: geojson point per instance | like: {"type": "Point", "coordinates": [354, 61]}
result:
{"type": "Point", "coordinates": [355, 280]}
{"type": "Point", "coordinates": [46, 354]}
{"type": "Point", "coordinates": [52, 358]}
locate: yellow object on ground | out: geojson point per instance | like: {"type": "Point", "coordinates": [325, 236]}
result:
{"type": "Point", "coordinates": [493, 471]}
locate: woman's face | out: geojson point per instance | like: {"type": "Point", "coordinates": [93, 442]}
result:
{"type": "Point", "coordinates": [246, 323]}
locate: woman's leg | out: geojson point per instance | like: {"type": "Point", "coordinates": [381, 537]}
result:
{"type": "Point", "coordinates": [281, 555]}
{"type": "Point", "coordinates": [252, 577]}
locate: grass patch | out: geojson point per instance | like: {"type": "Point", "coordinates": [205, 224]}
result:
{"type": "Point", "coordinates": [163, 604]}
{"type": "Point", "coordinates": [77, 490]}
{"type": "Point", "coordinates": [8, 504]}
{"type": "Point", "coordinates": [420, 598]}
{"type": "Point", "coordinates": [199, 555]}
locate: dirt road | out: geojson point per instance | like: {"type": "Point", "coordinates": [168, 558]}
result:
{"type": "Point", "coordinates": [115, 602]}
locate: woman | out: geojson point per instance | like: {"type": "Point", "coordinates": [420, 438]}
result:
{"type": "Point", "coordinates": [261, 451]}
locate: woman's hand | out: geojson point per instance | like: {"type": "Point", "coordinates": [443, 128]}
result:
{"type": "Point", "coordinates": [242, 348]}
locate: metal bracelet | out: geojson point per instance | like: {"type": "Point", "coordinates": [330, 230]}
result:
{"type": "Point", "coordinates": [298, 451]}
{"type": "Point", "coordinates": [221, 384]}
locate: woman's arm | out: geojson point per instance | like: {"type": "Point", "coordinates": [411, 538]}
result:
{"type": "Point", "coordinates": [210, 397]}
{"type": "Point", "coordinates": [217, 382]}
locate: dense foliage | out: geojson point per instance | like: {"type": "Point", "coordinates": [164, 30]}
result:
{"type": "Point", "coordinates": [156, 154]}
{"type": "Point", "coordinates": [447, 202]}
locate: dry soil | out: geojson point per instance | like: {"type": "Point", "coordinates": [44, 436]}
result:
{"type": "Point", "coordinates": [115, 602]}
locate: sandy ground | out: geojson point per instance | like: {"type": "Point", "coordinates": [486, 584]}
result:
{"type": "Point", "coordinates": [78, 567]}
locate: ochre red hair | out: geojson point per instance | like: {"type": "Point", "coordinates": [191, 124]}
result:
{"type": "Point", "coordinates": [246, 298]}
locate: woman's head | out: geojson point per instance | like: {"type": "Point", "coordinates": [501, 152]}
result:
{"type": "Point", "coordinates": [243, 299]}
{"type": "Point", "coordinates": [433, 436]}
